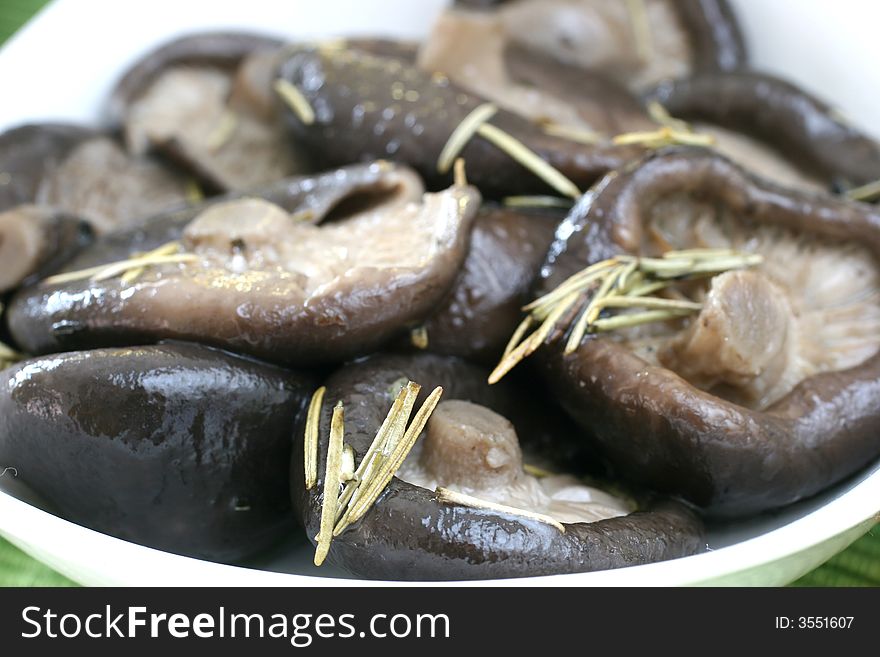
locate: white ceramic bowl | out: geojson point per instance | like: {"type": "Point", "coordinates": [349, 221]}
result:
{"type": "Point", "coordinates": [62, 65]}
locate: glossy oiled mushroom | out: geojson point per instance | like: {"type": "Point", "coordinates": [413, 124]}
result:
{"type": "Point", "coordinates": [506, 251]}
{"type": "Point", "coordinates": [252, 276]}
{"type": "Point", "coordinates": [774, 128]}
{"type": "Point", "coordinates": [461, 506]}
{"type": "Point", "coordinates": [348, 104]}
{"type": "Point", "coordinates": [638, 42]}
{"type": "Point", "coordinates": [176, 446]}
{"type": "Point", "coordinates": [765, 389]}
{"type": "Point", "coordinates": [206, 100]}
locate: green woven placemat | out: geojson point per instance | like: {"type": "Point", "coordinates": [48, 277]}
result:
{"type": "Point", "coordinates": [859, 565]}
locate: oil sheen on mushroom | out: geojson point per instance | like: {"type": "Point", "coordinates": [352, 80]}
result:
{"type": "Point", "coordinates": [807, 134]}
{"type": "Point", "coordinates": [768, 394]}
{"type": "Point", "coordinates": [409, 534]}
{"type": "Point", "coordinates": [175, 446]}
{"type": "Point", "coordinates": [272, 283]}
{"type": "Point", "coordinates": [368, 106]}
{"type": "Point", "coordinates": [506, 251]}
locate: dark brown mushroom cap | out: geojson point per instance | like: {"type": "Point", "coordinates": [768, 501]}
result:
{"type": "Point", "coordinates": [29, 153]}
{"type": "Point", "coordinates": [218, 49]}
{"type": "Point", "coordinates": [659, 430]}
{"type": "Point", "coordinates": [506, 251]}
{"type": "Point", "coordinates": [363, 112]}
{"type": "Point", "coordinates": [36, 241]}
{"type": "Point", "coordinates": [258, 315]}
{"type": "Point", "coordinates": [176, 446]}
{"type": "Point", "coordinates": [409, 535]}
{"type": "Point", "coordinates": [803, 128]}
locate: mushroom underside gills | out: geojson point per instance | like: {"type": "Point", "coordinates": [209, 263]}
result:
{"type": "Point", "coordinates": [470, 449]}
{"type": "Point", "coordinates": [812, 306]}
{"type": "Point", "coordinates": [256, 278]}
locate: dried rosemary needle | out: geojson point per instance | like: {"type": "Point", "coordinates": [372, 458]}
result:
{"type": "Point", "coordinates": [537, 202]}
{"type": "Point", "coordinates": [641, 26]}
{"type": "Point", "coordinates": [664, 136]}
{"type": "Point", "coordinates": [362, 486]}
{"type": "Point", "coordinates": [310, 443]}
{"type": "Point", "coordinates": [477, 123]}
{"type": "Point", "coordinates": [295, 100]}
{"type": "Point", "coordinates": [866, 193]}
{"type": "Point", "coordinates": [582, 304]}
{"type": "Point", "coordinates": [462, 135]}
{"type": "Point", "coordinates": [447, 496]}
{"type": "Point", "coordinates": [332, 480]}
{"type": "Point", "coordinates": [165, 254]}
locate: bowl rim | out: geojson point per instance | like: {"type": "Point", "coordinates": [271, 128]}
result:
{"type": "Point", "coordinates": [100, 558]}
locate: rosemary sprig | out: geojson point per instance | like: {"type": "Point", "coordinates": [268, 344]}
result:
{"type": "Point", "coordinates": [664, 136]}
{"type": "Point", "coordinates": [193, 192]}
{"type": "Point", "coordinates": [332, 480]}
{"type": "Point", "coordinates": [476, 123]}
{"type": "Point", "coordinates": [641, 26]}
{"type": "Point", "coordinates": [577, 305]}
{"type": "Point", "coordinates": [295, 100]}
{"type": "Point", "coordinates": [529, 159]}
{"type": "Point", "coordinates": [537, 202]}
{"type": "Point", "coordinates": [866, 193]}
{"type": "Point", "coordinates": [579, 135]}
{"type": "Point", "coordinates": [447, 496]}
{"type": "Point", "coordinates": [536, 471]}
{"type": "Point", "coordinates": [133, 274]}
{"type": "Point", "coordinates": [223, 131]}
{"type": "Point", "coordinates": [361, 487]}
{"type": "Point", "coordinates": [462, 135]}
{"type": "Point", "coordinates": [661, 116]}
{"type": "Point", "coordinates": [459, 174]}
{"type": "Point", "coordinates": [165, 254]}
{"type": "Point", "coordinates": [418, 337]}
{"type": "Point", "coordinates": [310, 443]}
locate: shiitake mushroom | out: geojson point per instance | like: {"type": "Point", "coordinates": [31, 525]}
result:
{"type": "Point", "coordinates": [507, 248]}
{"type": "Point", "coordinates": [175, 446]}
{"type": "Point", "coordinates": [206, 101]}
{"type": "Point", "coordinates": [29, 152]}
{"type": "Point", "coordinates": [36, 241]}
{"type": "Point", "coordinates": [367, 106]}
{"type": "Point", "coordinates": [221, 50]}
{"type": "Point", "coordinates": [85, 173]}
{"type": "Point", "coordinates": [269, 282]}
{"type": "Point", "coordinates": [770, 393]}
{"type": "Point", "coordinates": [815, 143]}
{"type": "Point", "coordinates": [638, 43]}
{"type": "Point", "coordinates": [410, 533]}
{"type": "Point", "coordinates": [475, 52]}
